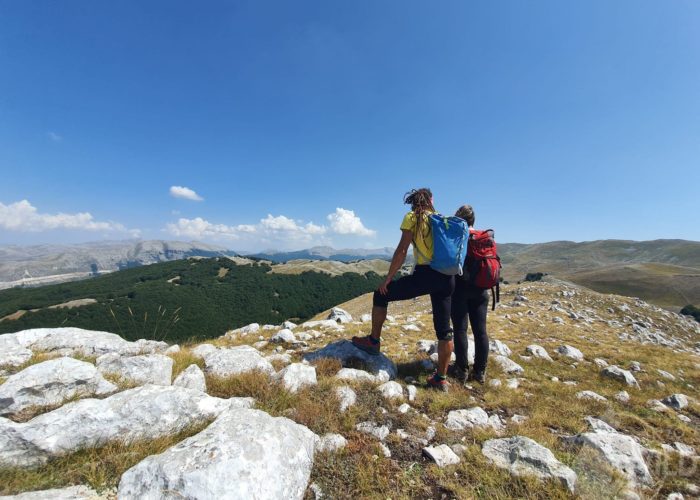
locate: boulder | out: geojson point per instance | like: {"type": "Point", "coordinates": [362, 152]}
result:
{"type": "Point", "coordinates": [283, 336]}
{"type": "Point", "coordinates": [617, 373]}
{"type": "Point", "coordinates": [600, 363]}
{"type": "Point", "coordinates": [143, 413]}
{"type": "Point", "coordinates": [346, 396]}
{"type": "Point", "coordinates": [344, 351]}
{"type": "Point", "coordinates": [391, 390]}
{"type": "Point", "coordinates": [539, 352]}
{"type": "Point", "coordinates": [524, 457]}
{"type": "Point", "coordinates": [236, 360]}
{"type": "Point", "coordinates": [622, 397]}
{"type": "Point", "coordinates": [68, 493]}
{"type": "Point", "coordinates": [324, 324]}
{"type": "Point", "coordinates": [331, 443]}
{"type": "Point", "coordinates": [202, 350]}
{"type": "Point", "coordinates": [191, 377]}
{"type": "Point", "coordinates": [71, 341]}
{"type": "Point", "coordinates": [154, 369]}
{"type": "Point", "coordinates": [442, 455]}
{"type": "Point", "coordinates": [289, 325]}
{"type": "Point", "coordinates": [666, 375]}
{"type": "Point", "coordinates": [619, 451]}
{"type": "Point", "coordinates": [598, 425]}
{"type": "Point", "coordinates": [296, 376]}
{"type": "Point", "coordinates": [365, 318]}
{"type": "Point", "coordinates": [339, 315]}
{"type": "Point", "coordinates": [243, 454]}
{"type": "Point", "coordinates": [570, 352]}
{"type": "Point", "coordinates": [51, 383]}
{"type": "Point", "coordinates": [508, 365]}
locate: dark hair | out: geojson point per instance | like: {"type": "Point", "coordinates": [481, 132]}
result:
{"type": "Point", "coordinates": [421, 201]}
{"type": "Point", "coordinates": [466, 212]}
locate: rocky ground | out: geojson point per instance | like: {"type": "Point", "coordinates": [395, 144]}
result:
{"type": "Point", "coordinates": [588, 395]}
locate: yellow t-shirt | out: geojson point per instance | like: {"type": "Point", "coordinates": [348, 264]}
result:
{"type": "Point", "coordinates": [423, 243]}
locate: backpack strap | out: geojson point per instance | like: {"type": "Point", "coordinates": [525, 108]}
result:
{"type": "Point", "coordinates": [495, 295]}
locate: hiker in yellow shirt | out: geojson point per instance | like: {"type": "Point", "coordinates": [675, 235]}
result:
{"type": "Point", "coordinates": [415, 230]}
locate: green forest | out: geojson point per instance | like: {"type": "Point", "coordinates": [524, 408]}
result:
{"type": "Point", "coordinates": [182, 300]}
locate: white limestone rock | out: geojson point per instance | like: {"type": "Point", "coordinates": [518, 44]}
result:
{"type": "Point", "coordinates": [365, 318]}
{"type": "Point", "coordinates": [283, 336]}
{"type": "Point", "coordinates": [666, 375]}
{"type": "Point", "coordinates": [289, 325]}
{"type": "Point", "coordinates": [617, 373]}
{"type": "Point", "coordinates": [459, 420]}
{"type": "Point", "coordinates": [442, 455]}
{"type": "Point", "coordinates": [243, 454]}
{"type": "Point", "coordinates": [202, 350]}
{"type": "Point", "coordinates": [244, 330]}
{"type": "Point", "coordinates": [236, 360]}
{"type": "Point", "coordinates": [344, 351]}
{"type": "Point", "coordinates": [12, 353]}
{"type": "Point", "coordinates": [154, 369]}
{"type": "Point", "coordinates": [412, 392]}
{"type": "Point", "coordinates": [378, 431]}
{"type": "Point", "coordinates": [622, 397]}
{"type": "Point", "coordinates": [590, 395]}
{"type": "Point", "coordinates": [173, 349]}
{"type": "Point", "coordinates": [51, 383]}
{"type": "Point", "coordinates": [391, 390]}
{"type": "Point", "coordinates": [355, 375]}
{"type": "Point", "coordinates": [331, 443]}
{"type": "Point", "coordinates": [570, 352]}
{"type": "Point", "coordinates": [508, 365]}
{"type": "Point", "coordinates": [498, 347]}
{"type": "Point", "coordinates": [675, 401]}
{"type": "Point", "coordinates": [324, 324]}
{"type": "Point", "coordinates": [619, 451]}
{"type": "Point", "coordinates": [539, 352]}
{"type": "Point", "coordinates": [296, 376]}
{"type": "Point", "coordinates": [524, 457]}
{"type": "Point", "coordinates": [600, 363]}
{"type": "Point", "coordinates": [144, 413]}
{"type": "Point", "coordinates": [339, 315]}
{"type": "Point", "coordinates": [598, 425]}
{"type": "Point", "coordinates": [346, 396]}
{"type": "Point", "coordinates": [191, 377]}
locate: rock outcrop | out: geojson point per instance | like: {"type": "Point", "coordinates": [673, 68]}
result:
{"type": "Point", "coordinates": [344, 351]}
{"type": "Point", "coordinates": [243, 454]}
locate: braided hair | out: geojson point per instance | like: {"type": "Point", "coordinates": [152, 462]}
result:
{"type": "Point", "coordinates": [421, 201]}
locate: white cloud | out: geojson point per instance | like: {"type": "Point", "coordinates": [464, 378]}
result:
{"type": "Point", "coordinates": [23, 216]}
{"type": "Point", "coordinates": [280, 231]}
{"type": "Point", "coordinates": [184, 193]}
{"type": "Point", "coordinates": [346, 222]}
{"type": "Point", "coordinates": [54, 137]}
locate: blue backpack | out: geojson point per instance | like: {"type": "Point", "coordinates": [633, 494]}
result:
{"type": "Point", "coordinates": [450, 241]}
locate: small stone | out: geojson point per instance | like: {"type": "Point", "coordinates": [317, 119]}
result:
{"type": "Point", "coordinates": [495, 383]}
{"type": "Point", "coordinates": [518, 419]}
{"type": "Point", "coordinates": [656, 405]}
{"type": "Point", "coordinates": [391, 390]}
{"type": "Point", "coordinates": [622, 397]}
{"type": "Point", "coordinates": [412, 392]}
{"type": "Point", "coordinates": [666, 375]}
{"type": "Point", "coordinates": [590, 395]}
{"type": "Point", "coordinates": [635, 366]}
{"type": "Point", "coordinates": [600, 363]}
{"type": "Point", "coordinates": [617, 373]}
{"type": "Point", "coordinates": [346, 396]}
{"type": "Point", "coordinates": [538, 352]}
{"type": "Point", "coordinates": [442, 455]}
{"type": "Point", "coordinates": [385, 450]}
{"type": "Point", "coordinates": [513, 383]}
{"type": "Point", "coordinates": [296, 376]}
{"type": "Point", "coordinates": [191, 377]}
{"type": "Point", "coordinates": [371, 428]}
{"type": "Point", "coordinates": [507, 365]}
{"type": "Point", "coordinates": [284, 335]}
{"type": "Point", "coordinates": [570, 352]}
{"type": "Point", "coordinates": [676, 401]}
{"type": "Point", "coordinates": [404, 408]}
{"type": "Point", "coordinates": [458, 420]}
{"type": "Point", "coordinates": [331, 443]}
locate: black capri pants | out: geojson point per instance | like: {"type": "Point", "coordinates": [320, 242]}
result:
{"type": "Point", "coordinates": [424, 281]}
{"type": "Point", "coordinates": [471, 304]}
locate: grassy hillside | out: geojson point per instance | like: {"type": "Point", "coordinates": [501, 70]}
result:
{"type": "Point", "coordinates": [185, 299]}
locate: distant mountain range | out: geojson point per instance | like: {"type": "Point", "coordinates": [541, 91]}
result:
{"type": "Point", "coordinates": [41, 264]}
{"type": "Point", "coordinates": [326, 253]}
{"type": "Point", "coordinates": [666, 272]}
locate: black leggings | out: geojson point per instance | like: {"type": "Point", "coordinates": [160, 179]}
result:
{"type": "Point", "coordinates": [472, 303]}
{"type": "Point", "coordinates": [424, 280]}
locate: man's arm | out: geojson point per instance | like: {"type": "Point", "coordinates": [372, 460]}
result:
{"type": "Point", "coordinates": [398, 259]}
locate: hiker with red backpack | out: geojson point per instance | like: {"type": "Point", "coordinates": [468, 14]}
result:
{"type": "Point", "coordinates": [439, 247]}
{"type": "Point", "coordinates": [470, 299]}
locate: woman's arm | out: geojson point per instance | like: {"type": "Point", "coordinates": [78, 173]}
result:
{"type": "Point", "coordinates": [398, 259]}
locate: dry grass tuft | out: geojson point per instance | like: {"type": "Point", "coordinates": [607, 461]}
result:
{"type": "Point", "coordinates": [183, 359]}
{"type": "Point", "coordinates": [99, 468]}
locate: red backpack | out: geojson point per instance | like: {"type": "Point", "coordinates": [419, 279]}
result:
{"type": "Point", "coordinates": [483, 262]}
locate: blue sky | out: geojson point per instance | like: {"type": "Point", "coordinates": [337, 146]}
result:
{"type": "Point", "coordinates": [301, 123]}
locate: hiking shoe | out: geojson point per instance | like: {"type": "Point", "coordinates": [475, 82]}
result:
{"type": "Point", "coordinates": [457, 373]}
{"type": "Point", "coordinates": [366, 344]}
{"type": "Point", "coordinates": [479, 377]}
{"type": "Point", "coordinates": [440, 384]}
